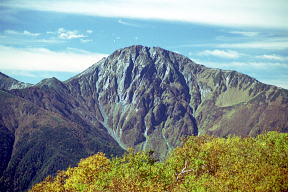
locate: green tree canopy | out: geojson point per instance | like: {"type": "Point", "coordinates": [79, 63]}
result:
{"type": "Point", "coordinates": [202, 163]}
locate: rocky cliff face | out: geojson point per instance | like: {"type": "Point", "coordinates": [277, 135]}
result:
{"type": "Point", "coordinates": [141, 97]}
{"type": "Point", "coordinates": [149, 98]}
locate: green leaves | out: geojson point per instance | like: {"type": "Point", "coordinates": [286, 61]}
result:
{"type": "Point", "coordinates": [203, 163]}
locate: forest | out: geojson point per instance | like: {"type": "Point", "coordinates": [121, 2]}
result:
{"type": "Point", "coordinates": [201, 163]}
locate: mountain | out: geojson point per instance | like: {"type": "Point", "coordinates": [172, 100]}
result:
{"type": "Point", "coordinates": [148, 98]}
{"type": "Point", "coordinates": [35, 142]}
{"type": "Point", "coordinates": [10, 83]}
{"type": "Point", "coordinates": [140, 97]}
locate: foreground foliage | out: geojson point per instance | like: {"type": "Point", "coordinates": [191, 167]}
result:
{"type": "Point", "coordinates": [203, 163]}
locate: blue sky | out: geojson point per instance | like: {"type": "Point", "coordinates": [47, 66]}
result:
{"type": "Point", "coordinates": [41, 39]}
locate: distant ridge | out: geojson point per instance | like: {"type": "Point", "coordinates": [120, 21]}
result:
{"type": "Point", "coordinates": [8, 83]}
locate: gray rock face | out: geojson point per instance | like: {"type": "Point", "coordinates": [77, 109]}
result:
{"type": "Point", "coordinates": [141, 97]}
{"type": "Point", "coordinates": [148, 98]}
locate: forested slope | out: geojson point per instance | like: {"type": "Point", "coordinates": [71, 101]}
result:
{"type": "Point", "coordinates": [202, 163]}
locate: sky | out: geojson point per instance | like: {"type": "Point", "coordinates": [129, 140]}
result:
{"type": "Point", "coordinates": [45, 38]}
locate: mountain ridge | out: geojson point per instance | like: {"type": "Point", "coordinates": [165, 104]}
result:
{"type": "Point", "coordinates": [9, 83]}
{"type": "Point", "coordinates": [149, 98]}
{"type": "Point", "coordinates": [222, 78]}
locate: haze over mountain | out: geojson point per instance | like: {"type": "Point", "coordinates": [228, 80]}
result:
{"type": "Point", "coordinates": [147, 98]}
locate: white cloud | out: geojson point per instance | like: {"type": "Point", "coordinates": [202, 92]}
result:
{"type": "Point", "coordinates": [26, 33]}
{"type": "Point", "coordinates": [127, 23]}
{"type": "Point", "coordinates": [89, 31]}
{"type": "Point", "coordinates": [221, 53]}
{"type": "Point", "coordinates": [269, 44]}
{"type": "Point", "coordinates": [272, 57]}
{"type": "Point", "coordinates": [245, 33]}
{"type": "Point", "coordinates": [30, 34]}
{"type": "Point", "coordinates": [66, 34]}
{"type": "Point", "coordinates": [254, 13]}
{"type": "Point", "coordinates": [42, 59]}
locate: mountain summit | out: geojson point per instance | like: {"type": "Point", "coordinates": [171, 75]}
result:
{"type": "Point", "coordinates": [140, 97]}
{"type": "Point", "coordinates": [148, 98]}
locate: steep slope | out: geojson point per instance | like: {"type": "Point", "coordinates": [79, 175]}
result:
{"type": "Point", "coordinates": [140, 97]}
{"type": "Point", "coordinates": [36, 142]}
{"type": "Point", "coordinates": [143, 95]}
{"type": "Point", "coordinates": [238, 104]}
{"type": "Point", "coordinates": [53, 95]}
{"type": "Point", "coordinates": [148, 98]}
{"type": "Point", "coordinates": [8, 83]}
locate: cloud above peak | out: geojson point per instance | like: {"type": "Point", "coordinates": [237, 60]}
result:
{"type": "Point", "coordinates": [221, 53]}
{"type": "Point", "coordinates": [66, 34]}
{"type": "Point", "coordinates": [254, 13]}
{"type": "Point", "coordinates": [120, 21]}
{"type": "Point", "coordinates": [272, 57]}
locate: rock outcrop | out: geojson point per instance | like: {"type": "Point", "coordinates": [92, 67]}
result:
{"type": "Point", "coordinates": [148, 98]}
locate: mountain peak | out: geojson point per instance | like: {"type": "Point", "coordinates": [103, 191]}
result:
{"type": "Point", "coordinates": [141, 57]}
{"type": "Point", "coordinates": [148, 97]}
{"type": "Point", "coordinates": [52, 82]}
{"type": "Point", "coordinates": [148, 55]}
{"type": "Point", "coordinates": [137, 49]}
